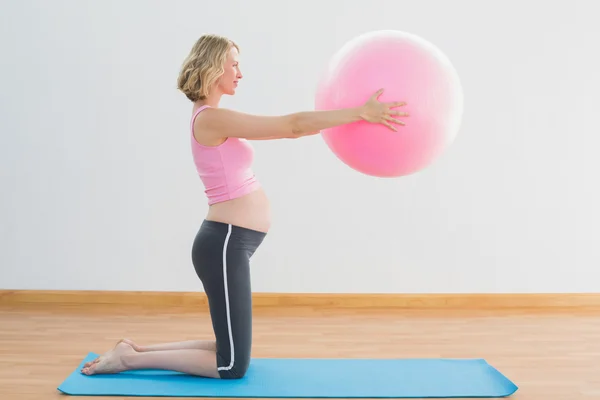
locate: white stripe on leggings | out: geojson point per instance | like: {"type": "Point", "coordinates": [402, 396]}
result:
{"type": "Point", "coordinates": [232, 350]}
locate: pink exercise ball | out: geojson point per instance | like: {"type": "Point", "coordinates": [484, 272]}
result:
{"type": "Point", "coordinates": [409, 69]}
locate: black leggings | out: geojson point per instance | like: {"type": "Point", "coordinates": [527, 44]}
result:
{"type": "Point", "coordinates": [221, 256]}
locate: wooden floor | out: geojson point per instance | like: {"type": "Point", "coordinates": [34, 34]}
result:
{"type": "Point", "coordinates": [548, 355]}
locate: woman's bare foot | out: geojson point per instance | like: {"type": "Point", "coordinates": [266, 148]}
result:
{"type": "Point", "coordinates": [111, 362]}
{"type": "Point", "coordinates": [132, 344]}
{"type": "Point", "coordinates": [128, 341]}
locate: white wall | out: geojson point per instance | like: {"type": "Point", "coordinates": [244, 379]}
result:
{"type": "Point", "coordinates": [98, 189]}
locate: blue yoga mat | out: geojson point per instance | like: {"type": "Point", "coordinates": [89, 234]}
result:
{"type": "Point", "coordinates": [309, 378]}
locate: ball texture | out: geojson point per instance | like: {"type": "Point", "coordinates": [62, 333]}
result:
{"type": "Point", "coordinates": [409, 69]}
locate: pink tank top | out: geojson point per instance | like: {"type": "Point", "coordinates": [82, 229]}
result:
{"type": "Point", "coordinates": [225, 170]}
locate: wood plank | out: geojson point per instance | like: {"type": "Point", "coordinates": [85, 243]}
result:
{"type": "Point", "coordinates": [550, 356]}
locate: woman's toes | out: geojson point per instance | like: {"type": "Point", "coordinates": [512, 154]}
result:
{"type": "Point", "coordinates": [89, 363]}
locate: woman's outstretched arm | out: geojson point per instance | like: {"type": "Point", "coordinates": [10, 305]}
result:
{"type": "Point", "coordinates": [217, 123]}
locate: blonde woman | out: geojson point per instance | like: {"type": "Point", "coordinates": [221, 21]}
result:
{"type": "Point", "coordinates": [238, 217]}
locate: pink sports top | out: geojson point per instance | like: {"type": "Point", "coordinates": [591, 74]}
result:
{"type": "Point", "coordinates": [225, 170]}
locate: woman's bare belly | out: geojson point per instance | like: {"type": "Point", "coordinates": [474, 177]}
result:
{"type": "Point", "coordinates": [252, 211]}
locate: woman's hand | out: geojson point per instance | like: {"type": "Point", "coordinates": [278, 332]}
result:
{"type": "Point", "coordinates": [377, 112]}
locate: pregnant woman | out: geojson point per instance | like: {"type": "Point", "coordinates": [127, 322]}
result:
{"type": "Point", "coordinates": [238, 217]}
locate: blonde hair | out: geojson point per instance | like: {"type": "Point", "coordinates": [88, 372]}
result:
{"type": "Point", "coordinates": [203, 66]}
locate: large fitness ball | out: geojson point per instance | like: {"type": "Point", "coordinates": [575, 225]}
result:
{"type": "Point", "coordinates": [409, 69]}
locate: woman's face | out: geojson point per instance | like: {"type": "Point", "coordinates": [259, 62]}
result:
{"type": "Point", "coordinates": [228, 82]}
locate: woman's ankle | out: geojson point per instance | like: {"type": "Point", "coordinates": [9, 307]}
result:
{"type": "Point", "coordinates": [128, 360]}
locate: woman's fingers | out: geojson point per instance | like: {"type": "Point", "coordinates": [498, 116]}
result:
{"type": "Point", "coordinates": [376, 95]}
{"type": "Point", "coordinates": [396, 104]}
{"type": "Point", "coordinates": [389, 126]}
{"type": "Point", "coordinates": [394, 120]}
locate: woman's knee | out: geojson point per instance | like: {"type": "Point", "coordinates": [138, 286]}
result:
{"type": "Point", "coordinates": [237, 368]}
